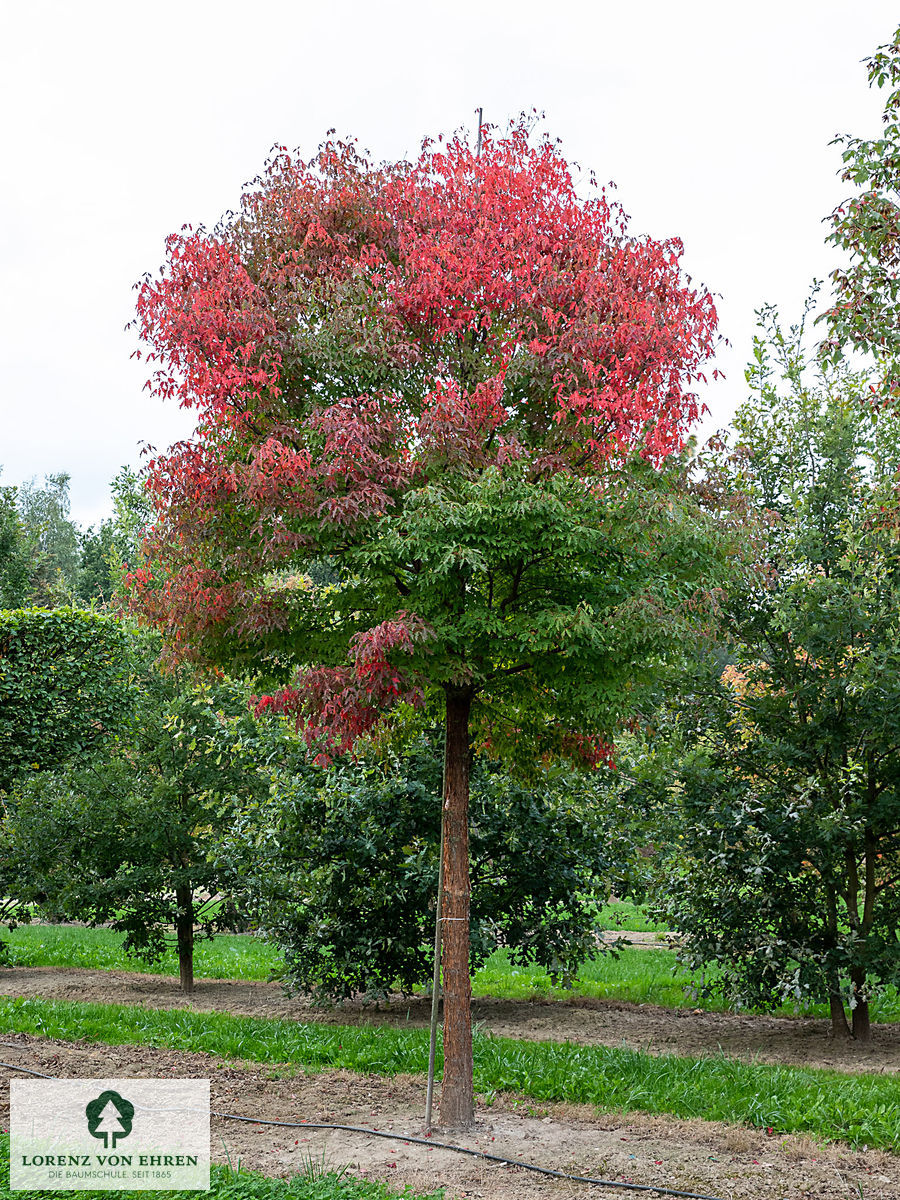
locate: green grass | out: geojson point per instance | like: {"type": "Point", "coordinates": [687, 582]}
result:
{"type": "Point", "coordinates": [228, 1183]}
{"type": "Point", "coordinates": [241, 956]}
{"type": "Point", "coordinates": [859, 1109]}
{"type": "Point", "coordinates": [641, 977]}
{"type": "Point", "coordinates": [626, 916]}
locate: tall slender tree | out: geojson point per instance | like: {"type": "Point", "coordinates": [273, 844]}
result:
{"type": "Point", "coordinates": [447, 390]}
{"type": "Point", "coordinates": [56, 553]}
{"type": "Point", "coordinates": [788, 789]}
{"type": "Point", "coordinates": [865, 228]}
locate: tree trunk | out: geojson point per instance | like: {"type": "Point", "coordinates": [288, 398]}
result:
{"type": "Point", "coordinates": [184, 929]}
{"type": "Point", "coordinates": [839, 1026]}
{"type": "Point", "coordinates": [862, 1029]}
{"type": "Point", "coordinates": [457, 1092]}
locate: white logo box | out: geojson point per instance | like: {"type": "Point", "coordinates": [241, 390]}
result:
{"type": "Point", "coordinates": [109, 1134]}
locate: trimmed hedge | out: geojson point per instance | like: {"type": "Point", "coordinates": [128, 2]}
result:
{"type": "Point", "coordinates": [65, 678]}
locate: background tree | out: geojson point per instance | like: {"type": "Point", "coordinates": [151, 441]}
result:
{"type": "Point", "coordinates": [94, 578]}
{"type": "Point", "coordinates": [865, 315]}
{"type": "Point", "coordinates": [107, 549]}
{"type": "Point", "coordinates": [15, 552]}
{"type": "Point", "coordinates": [127, 839]}
{"type": "Point", "coordinates": [455, 382]}
{"type": "Point", "coordinates": [789, 780]}
{"type": "Point", "coordinates": [44, 512]}
{"type": "Point", "coordinates": [132, 517]}
{"type": "Point", "coordinates": [337, 866]}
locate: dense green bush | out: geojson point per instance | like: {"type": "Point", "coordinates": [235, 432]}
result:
{"type": "Point", "coordinates": [339, 867]}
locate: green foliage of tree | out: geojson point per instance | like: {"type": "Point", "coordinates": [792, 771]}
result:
{"type": "Point", "coordinates": [95, 576]}
{"type": "Point", "coordinates": [15, 552]}
{"type": "Point", "coordinates": [114, 546]}
{"type": "Point", "coordinates": [789, 776]}
{"type": "Point", "coordinates": [47, 560]}
{"type": "Point", "coordinates": [338, 867]}
{"type": "Point", "coordinates": [132, 516]}
{"type": "Point", "coordinates": [65, 687]}
{"type": "Point", "coordinates": [56, 553]}
{"type": "Point", "coordinates": [127, 838]}
{"type": "Point", "coordinates": [865, 315]}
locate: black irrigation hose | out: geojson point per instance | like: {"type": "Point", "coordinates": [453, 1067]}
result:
{"type": "Point", "coordinates": [399, 1137]}
{"type": "Point", "coordinates": [509, 1162]}
{"type": "Point", "coordinates": [40, 1074]}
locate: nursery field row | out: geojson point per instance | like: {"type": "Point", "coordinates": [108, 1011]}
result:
{"type": "Point", "coordinates": [633, 975]}
{"type": "Point", "coordinates": [857, 1109]}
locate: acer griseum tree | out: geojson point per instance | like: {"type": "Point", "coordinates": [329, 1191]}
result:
{"type": "Point", "coordinates": [449, 388]}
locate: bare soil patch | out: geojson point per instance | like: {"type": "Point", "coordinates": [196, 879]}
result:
{"type": "Point", "coordinates": [709, 1158]}
{"type": "Point", "coordinates": [640, 939]}
{"type": "Point", "coordinates": [655, 1030]}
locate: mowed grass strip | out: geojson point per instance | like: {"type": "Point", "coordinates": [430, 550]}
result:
{"type": "Point", "coordinates": [858, 1109]}
{"type": "Point", "coordinates": [225, 956]}
{"type": "Point", "coordinates": [227, 1183]}
{"type": "Point", "coordinates": [641, 976]}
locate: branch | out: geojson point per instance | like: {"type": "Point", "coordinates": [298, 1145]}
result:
{"type": "Point", "coordinates": [517, 670]}
{"type": "Point", "coordinates": [509, 671]}
{"type": "Point", "coordinates": [401, 586]}
{"type": "Point", "coordinates": [514, 591]}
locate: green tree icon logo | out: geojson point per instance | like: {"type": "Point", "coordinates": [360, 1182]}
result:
{"type": "Point", "coordinates": [109, 1116]}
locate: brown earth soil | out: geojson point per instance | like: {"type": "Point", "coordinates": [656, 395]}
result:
{"type": "Point", "coordinates": [712, 1159]}
{"type": "Point", "coordinates": [641, 939]}
{"type": "Point", "coordinates": [603, 1022]}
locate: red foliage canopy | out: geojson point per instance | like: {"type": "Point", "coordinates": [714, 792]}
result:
{"type": "Point", "coordinates": [356, 335]}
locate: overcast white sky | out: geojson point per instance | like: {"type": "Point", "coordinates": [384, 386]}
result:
{"type": "Point", "coordinates": [123, 121]}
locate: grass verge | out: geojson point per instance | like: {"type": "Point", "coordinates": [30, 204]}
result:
{"type": "Point", "coordinates": [859, 1109]}
{"type": "Point", "coordinates": [228, 1183]}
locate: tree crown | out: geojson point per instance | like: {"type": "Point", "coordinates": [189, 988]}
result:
{"type": "Point", "coordinates": [454, 382]}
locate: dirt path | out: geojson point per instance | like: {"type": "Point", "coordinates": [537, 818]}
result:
{"type": "Point", "coordinates": [642, 1027]}
{"type": "Point", "coordinates": [641, 939]}
{"type": "Point", "coordinates": [704, 1157]}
